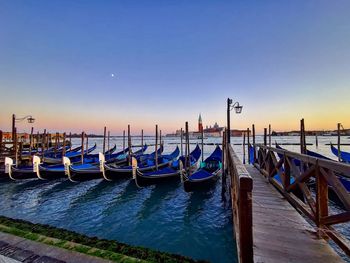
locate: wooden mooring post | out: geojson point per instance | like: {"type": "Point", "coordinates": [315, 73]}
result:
{"type": "Point", "coordinates": [244, 147]}
{"type": "Point", "coordinates": [181, 135]}
{"type": "Point", "coordinates": [253, 134]}
{"type": "Point", "coordinates": [82, 147]}
{"type": "Point", "coordinates": [1, 142]}
{"type": "Point", "coordinates": [124, 141]}
{"type": "Point", "coordinates": [64, 146]}
{"type": "Point", "coordinates": [129, 144]}
{"type": "Point", "coordinates": [338, 135]}
{"type": "Point", "coordinates": [104, 139]}
{"type": "Point", "coordinates": [269, 135]}
{"type": "Point", "coordinates": [156, 147]}
{"type": "Point", "coordinates": [142, 140]}
{"type": "Point", "coordinates": [265, 136]}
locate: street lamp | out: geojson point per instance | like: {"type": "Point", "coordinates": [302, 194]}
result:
{"type": "Point", "coordinates": [29, 118]}
{"type": "Point", "coordinates": [238, 110]}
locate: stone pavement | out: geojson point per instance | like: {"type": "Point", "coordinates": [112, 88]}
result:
{"type": "Point", "coordinates": [15, 249]}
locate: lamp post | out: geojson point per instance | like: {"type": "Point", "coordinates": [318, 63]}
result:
{"type": "Point", "coordinates": [238, 110]}
{"type": "Point", "coordinates": [29, 118]}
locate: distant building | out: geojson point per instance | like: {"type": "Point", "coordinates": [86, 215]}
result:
{"type": "Point", "coordinates": [200, 124]}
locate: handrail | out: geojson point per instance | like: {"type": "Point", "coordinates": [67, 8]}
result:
{"type": "Point", "coordinates": [241, 193]}
{"type": "Point", "coordinates": [290, 172]}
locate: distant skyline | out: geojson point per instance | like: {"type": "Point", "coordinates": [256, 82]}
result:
{"type": "Point", "coordinates": [83, 65]}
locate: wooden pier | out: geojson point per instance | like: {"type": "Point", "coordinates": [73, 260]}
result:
{"type": "Point", "coordinates": [271, 223]}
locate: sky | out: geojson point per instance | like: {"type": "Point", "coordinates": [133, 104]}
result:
{"type": "Point", "coordinates": [83, 65]}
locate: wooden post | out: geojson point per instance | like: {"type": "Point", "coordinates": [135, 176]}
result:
{"type": "Point", "coordinates": [338, 134]}
{"type": "Point", "coordinates": [202, 131]}
{"type": "Point", "coordinates": [70, 141]}
{"type": "Point", "coordinates": [15, 146]}
{"type": "Point", "coordinates": [248, 143]}
{"type": "Point", "coordinates": [160, 138]}
{"type": "Point", "coordinates": [48, 140]}
{"type": "Point", "coordinates": [265, 135]}
{"type": "Point", "coordinates": [228, 135]}
{"type": "Point", "coordinates": [104, 140]}
{"type": "Point", "coordinates": [156, 146]}
{"type": "Point", "coordinates": [253, 131]}
{"type": "Point", "coordinates": [124, 141]}
{"type": "Point", "coordinates": [0, 142]}
{"type": "Point", "coordinates": [129, 144]}
{"type": "Point", "coordinates": [64, 146]}
{"type": "Point", "coordinates": [321, 196]}
{"type": "Point", "coordinates": [188, 168]}
{"type": "Point", "coordinates": [142, 140]}
{"type": "Point", "coordinates": [302, 137]}
{"type": "Point", "coordinates": [56, 143]}
{"type": "Point", "coordinates": [316, 138]}
{"type": "Point", "coordinates": [31, 141]}
{"type": "Point", "coordinates": [108, 137]}
{"type": "Point", "coordinates": [269, 135]}
{"type": "Point", "coordinates": [43, 142]}
{"type": "Point", "coordinates": [243, 147]}
{"type": "Point", "coordinates": [181, 134]}
{"type": "Point", "coordinates": [87, 141]}
{"type": "Point", "coordinates": [82, 147]}
{"type": "Point", "coordinates": [13, 127]}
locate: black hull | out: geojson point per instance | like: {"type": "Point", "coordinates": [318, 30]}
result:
{"type": "Point", "coordinates": [82, 176]}
{"type": "Point", "coordinates": [50, 175]}
{"type": "Point", "coordinates": [190, 186]}
{"type": "Point", "coordinates": [148, 180]}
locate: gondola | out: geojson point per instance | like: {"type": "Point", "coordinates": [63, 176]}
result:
{"type": "Point", "coordinates": [344, 156]}
{"type": "Point", "coordinates": [90, 171]}
{"type": "Point", "coordinates": [114, 172]}
{"type": "Point", "coordinates": [42, 171]}
{"type": "Point", "coordinates": [207, 175]}
{"type": "Point", "coordinates": [70, 155]}
{"type": "Point", "coordinates": [52, 172]}
{"type": "Point", "coordinates": [169, 173]}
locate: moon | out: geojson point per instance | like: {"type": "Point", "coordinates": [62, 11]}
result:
{"type": "Point", "coordinates": [112, 75]}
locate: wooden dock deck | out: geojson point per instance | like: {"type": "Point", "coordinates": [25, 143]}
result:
{"type": "Point", "coordinates": [280, 233]}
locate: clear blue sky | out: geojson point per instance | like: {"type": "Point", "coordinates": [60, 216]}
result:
{"type": "Point", "coordinates": [283, 60]}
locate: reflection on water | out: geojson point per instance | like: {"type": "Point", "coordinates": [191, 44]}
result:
{"type": "Point", "coordinates": [162, 217]}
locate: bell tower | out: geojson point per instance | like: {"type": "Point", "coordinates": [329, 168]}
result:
{"type": "Point", "coordinates": [200, 124]}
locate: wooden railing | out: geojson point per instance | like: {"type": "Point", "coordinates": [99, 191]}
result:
{"type": "Point", "coordinates": [241, 194]}
{"type": "Point", "coordinates": [306, 183]}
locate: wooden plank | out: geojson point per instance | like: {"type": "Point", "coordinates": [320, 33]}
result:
{"type": "Point", "coordinates": [280, 233]}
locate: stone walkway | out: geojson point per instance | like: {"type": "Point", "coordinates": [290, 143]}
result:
{"type": "Point", "coordinates": [15, 249]}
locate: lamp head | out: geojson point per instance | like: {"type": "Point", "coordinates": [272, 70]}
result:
{"type": "Point", "coordinates": [30, 119]}
{"type": "Point", "coordinates": [238, 108]}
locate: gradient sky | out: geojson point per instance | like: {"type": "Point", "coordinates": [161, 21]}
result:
{"type": "Point", "coordinates": [282, 60]}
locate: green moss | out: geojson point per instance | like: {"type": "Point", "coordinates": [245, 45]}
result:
{"type": "Point", "coordinates": [108, 249]}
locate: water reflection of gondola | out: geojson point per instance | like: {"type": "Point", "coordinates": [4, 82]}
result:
{"type": "Point", "coordinates": [159, 193]}
{"type": "Point", "coordinates": [196, 203]}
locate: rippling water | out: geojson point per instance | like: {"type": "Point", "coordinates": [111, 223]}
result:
{"type": "Point", "coordinates": [162, 217]}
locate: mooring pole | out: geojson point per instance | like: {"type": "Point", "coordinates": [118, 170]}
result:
{"type": "Point", "coordinates": [82, 147]}
{"type": "Point", "coordinates": [109, 147]}
{"type": "Point", "coordinates": [181, 134]}
{"type": "Point", "coordinates": [160, 138]}
{"type": "Point", "coordinates": [142, 140]}
{"type": "Point", "coordinates": [104, 139]}
{"type": "Point", "coordinates": [156, 146]}
{"type": "Point", "coordinates": [31, 141]}
{"type": "Point", "coordinates": [13, 127]}
{"type": "Point", "coordinates": [248, 143]}
{"type": "Point", "coordinates": [253, 131]}
{"type": "Point", "coordinates": [43, 142]}
{"type": "Point", "coordinates": [188, 168]}
{"type": "Point", "coordinates": [124, 141]}
{"type": "Point", "coordinates": [269, 135]}
{"type": "Point", "coordinates": [15, 146]}
{"type": "Point", "coordinates": [302, 137]}
{"type": "Point", "coordinates": [202, 145]}
{"type": "Point", "coordinates": [228, 121]}
{"type": "Point", "coordinates": [129, 145]}
{"type": "Point", "coordinates": [338, 133]}
{"type": "Point", "coordinates": [87, 142]}
{"type": "Point", "coordinates": [70, 141]}
{"type": "Point", "coordinates": [0, 142]}
{"type": "Point", "coordinates": [265, 135]}
{"type": "Point", "coordinates": [64, 146]}
{"type": "Point", "coordinates": [243, 147]}
{"type": "Point", "coordinates": [316, 139]}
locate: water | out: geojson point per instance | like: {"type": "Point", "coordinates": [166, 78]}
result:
{"type": "Point", "coordinates": [162, 217]}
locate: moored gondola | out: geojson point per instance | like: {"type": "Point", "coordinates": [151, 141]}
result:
{"type": "Point", "coordinates": [207, 175]}
{"type": "Point", "coordinates": [344, 156]}
{"type": "Point", "coordinates": [169, 173]}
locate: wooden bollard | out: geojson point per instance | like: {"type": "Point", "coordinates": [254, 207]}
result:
{"type": "Point", "coordinates": [70, 141]}
{"type": "Point", "coordinates": [338, 134]}
{"type": "Point", "coordinates": [181, 143]}
{"type": "Point", "coordinates": [253, 131]}
{"type": "Point", "coordinates": [0, 142]}
{"type": "Point", "coordinates": [248, 143]}
{"type": "Point", "coordinates": [31, 141]}
{"type": "Point", "coordinates": [104, 140]}
{"type": "Point", "coordinates": [243, 147]}
{"type": "Point", "coordinates": [269, 135]}
{"type": "Point", "coordinates": [265, 135]}
{"type": "Point", "coordinates": [124, 141]}
{"type": "Point", "coordinates": [202, 145]}
{"type": "Point", "coordinates": [156, 147]}
{"type": "Point", "coordinates": [129, 144]}
{"type": "Point", "coordinates": [142, 140]}
{"type": "Point", "coordinates": [109, 134]}
{"type": "Point", "coordinates": [82, 147]}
